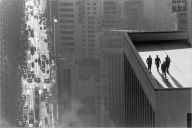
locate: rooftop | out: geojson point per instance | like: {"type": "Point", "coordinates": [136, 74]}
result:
{"type": "Point", "coordinates": [180, 54]}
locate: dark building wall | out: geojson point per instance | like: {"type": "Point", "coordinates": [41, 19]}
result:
{"type": "Point", "coordinates": [13, 11]}
{"type": "Point", "coordinates": [139, 111]}
{"type": "Point", "coordinates": [64, 90]}
{"type": "Point", "coordinates": [172, 107]}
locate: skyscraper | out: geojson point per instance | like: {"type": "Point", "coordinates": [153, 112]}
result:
{"type": "Point", "coordinates": [179, 7]}
{"type": "Point", "coordinates": [190, 21]}
{"type": "Point", "coordinates": [112, 80]}
{"type": "Point", "coordinates": [111, 14]}
{"type": "Point", "coordinates": [159, 15]}
{"type": "Point", "coordinates": [66, 42]}
{"type": "Point", "coordinates": [134, 14]}
{"type": "Point", "coordinates": [77, 54]}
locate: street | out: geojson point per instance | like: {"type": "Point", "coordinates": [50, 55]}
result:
{"type": "Point", "coordinates": [36, 105]}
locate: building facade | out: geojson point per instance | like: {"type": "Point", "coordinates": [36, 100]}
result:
{"type": "Point", "coordinates": [111, 14]}
{"type": "Point", "coordinates": [133, 14]}
{"type": "Point", "coordinates": [190, 21]}
{"type": "Point", "coordinates": [159, 15]}
{"type": "Point", "coordinates": [180, 8]}
{"type": "Point", "coordinates": [77, 55]}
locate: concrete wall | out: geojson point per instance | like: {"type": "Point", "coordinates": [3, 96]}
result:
{"type": "Point", "coordinates": [172, 106]}
{"type": "Point", "coordinates": [139, 68]}
{"type": "Point", "coordinates": [190, 21]}
{"type": "Point", "coordinates": [158, 36]}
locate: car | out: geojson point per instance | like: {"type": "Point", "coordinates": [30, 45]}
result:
{"type": "Point", "coordinates": [32, 51]}
{"type": "Point", "coordinates": [25, 76]}
{"type": "Point", "coordinates": [30, 125]}
{"type": "Point", "coordinates": [32, 64]}
{"type": "Point", "coordinates": [47, 71]}
{"type": "Point", "coordinates": [29, 80]}
{"type": "Point", "coordinates": [47, 80]}
{"type": "Point", "coordinates": [37, 80]}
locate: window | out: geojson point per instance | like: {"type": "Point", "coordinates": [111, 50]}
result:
{"type": "Point", "coordinates": [67, 26]}
{"type": "Point", "coordinates": [66, 32]}
{"type": "Point", "coordinates": [66, 9]}
{"type": "Point", "coordinates": [174, 9]}
{"type": "Point", "coordinates": [189, 120]}
{"type": "Point", "coordinates": [67, 43]}
{"type": "Point", "coordinates": [66, 38]}
{"type": "Point", "coordinates": [67, 21]}
{"type": "Point", "coordinates": [66, 15]}
{"type": "Point", "coordinates": [66, 4]}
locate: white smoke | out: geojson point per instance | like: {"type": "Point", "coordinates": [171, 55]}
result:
{"type": "Point", "coordinates": [4, 124]}
{"type": "Point", "coordinates": [69, 117]}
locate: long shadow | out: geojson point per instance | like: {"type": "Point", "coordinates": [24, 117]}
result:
{"type": "Point", "coordinates": [166, 81]}
{"type": "Point", "coordinates": [175, 81]}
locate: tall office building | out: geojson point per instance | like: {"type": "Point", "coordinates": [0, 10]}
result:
{"type": "Point", "coordinates": [111, 14]}
{"type": "Point", "coordinates": [11, 13]}
{"type": "Point", "coordinates": [112, 97]}
{"type": "Point", "coordinates": [77, 54]}
{"type": "Point", "coordinates": [159, 15]}
{"type": "Point", "coordinates": [179, 7]}
{"type": "Point", "coordinates": [131, 96]}
{"type": "Point", "coordinates": [134, 14]}
{"type": "Point", "coordinates": [190, 21]}
{"type": "Point", "coordinates": [65, 41]}
{"type": "Point", "coordinates": [89, 21]}
{"type": "Point", "coordinates": [1, 54]}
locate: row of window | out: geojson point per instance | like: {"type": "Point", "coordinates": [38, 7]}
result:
{"type": "Point", "coordinates": [66, 32]}
{"type": "Point", "coordinates": [67, 15]}
{"type": "Point", "coordinates": [66, 38]}
{"type": "Point", "coordinates": [179, 8]}
{"type": "Point", "coordinates": [67, 26]}
{"type": "Point", "coordinates": [66, 9]}
{"type": "Point", "coordinates": [66, 4]}
{"type": "Point", "coordinates": [89, 3]}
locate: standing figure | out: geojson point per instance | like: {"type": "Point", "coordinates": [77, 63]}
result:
{"type": "Point", "coordinates": [149, 62]}
{"type": "Point", "coordinates": [167, 61]}
{"type": "Point", "coordinates": [157, 62]}
{"type": "Point", "coordinates": [163, 69]}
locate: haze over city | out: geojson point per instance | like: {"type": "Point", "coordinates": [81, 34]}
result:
{"type": "Point", "coordinates": [95, 63]}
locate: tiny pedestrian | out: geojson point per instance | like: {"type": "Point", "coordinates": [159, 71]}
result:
{"type": "Point", "coordinates": [163, 69]}
{"type": "Point", "coordinates": [149, 63]}
{"type": "Point", "coordinates": [157, 62]}
{"type": "Point", "coordinates": [167, 61]}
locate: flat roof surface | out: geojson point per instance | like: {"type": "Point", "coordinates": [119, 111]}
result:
{"type": "Point", "coordinates": [180, 68]}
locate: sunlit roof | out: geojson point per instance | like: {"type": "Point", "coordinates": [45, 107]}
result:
{"type": "Point", "coordinates": [180, 68]}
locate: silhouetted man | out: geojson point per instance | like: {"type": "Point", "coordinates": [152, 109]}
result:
{"type": "Point", "coordinates": [157, 62]}
{"type": "Point", "coordinates": [163, 69]}
{"type": "Point", "coordinates": [167, 62]}
{"type": "Point", "coordinates": [149, 62]}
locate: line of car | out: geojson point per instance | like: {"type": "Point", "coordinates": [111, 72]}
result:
{"type": "Point", "coordinates": [37, 81]}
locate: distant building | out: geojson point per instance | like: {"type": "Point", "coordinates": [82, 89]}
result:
{"type": "Point", "coordinates": [9, 50]}
{"type": "Point", "coordinates": [112, 88]}
{"type": "Point", "coordinates": [146, 101]}
{"type": "Point", "coordinates": [66, 42]}
{"type": "Point", "coordinates": [111, 14]}
{"type": "Point", "coordinates": [134, 14]}
{"type": "Point", "coordinates": [159, 15]}
{"type": "Point", "coordinates": [179, 7]}
{"type": "Point", "coordinates": [77, 57]}
{"type": "Point", "coordinates": [190, 21]}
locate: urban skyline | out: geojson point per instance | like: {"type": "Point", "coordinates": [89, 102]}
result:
{"type": "Point", "coordinates": [81, 63]}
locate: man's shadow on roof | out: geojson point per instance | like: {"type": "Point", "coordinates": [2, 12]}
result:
{"type": "Point", "coordinates": [166, 81]}
{"type": "Point", "coordinates": [175, 81]}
